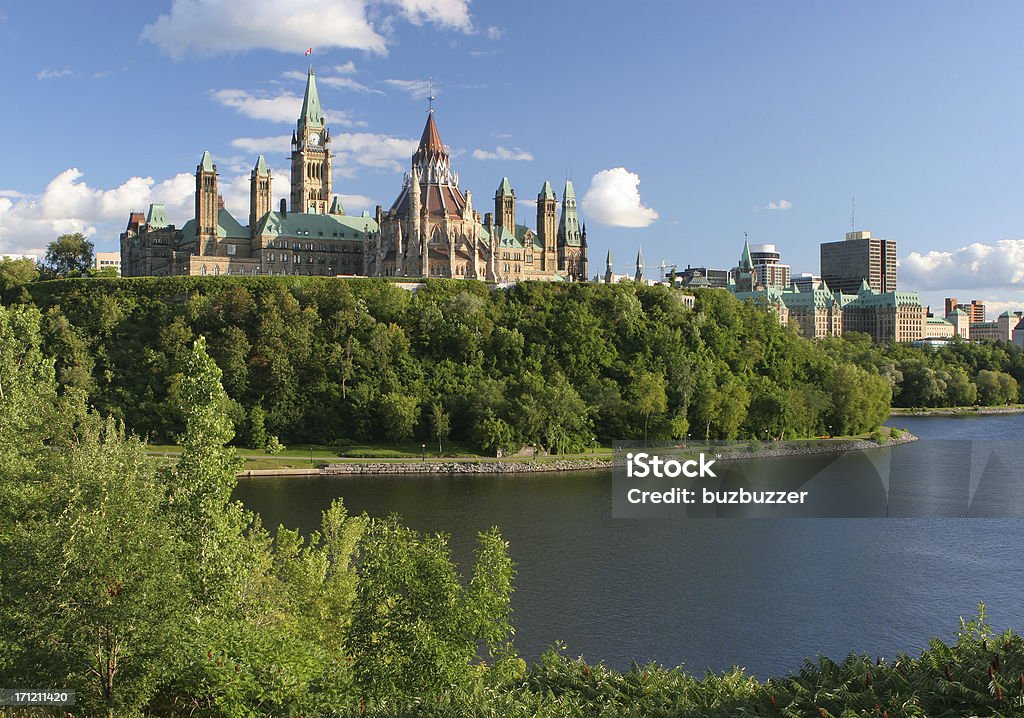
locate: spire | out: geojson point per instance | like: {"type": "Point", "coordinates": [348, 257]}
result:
{"type": "Point", "coordinates": [430, 141]}
{"type": "Point", "coordinates": [546, 192]}
{"type": "Point", "coordinates": [505, 187]}
{"type": "Point", "coordinates": [608, 261]}
{"type": "Point", "coordinates": [569, 223]}
{"type": "Point", "coordinates": [336, 206]}
{"type": "Point", "coordinates": [260, 170]}
{"type": "Point", "coordinates": [745, 261]}
{"type": "Point", "coordinates": [639, 277]}
{"type": "Point", "coordinates": [311, 113]}
{"type": "Point", "coordinates": [206, 163]}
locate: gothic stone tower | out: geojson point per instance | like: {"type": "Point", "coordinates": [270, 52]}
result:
{"type": "Point", "coordinates": [547, 227]}
{"type": "Point", "coordinates": [259, 193]}
{"type": "Point", "coordinates": [572, 243]}
{"type": "Point", "coordinates": [206, 205]}
{"type": "Point", "coordinates": [311, 155]}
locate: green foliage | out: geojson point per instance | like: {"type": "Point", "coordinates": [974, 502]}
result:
{"type": "Point", "coordinates": [557, 365]}
{"type": "Point", "coordinates": [70, 255]}
{"type": "Point", "coordinates": [415, 628]}
{"type": "Point", "coordinates": [16, 273]}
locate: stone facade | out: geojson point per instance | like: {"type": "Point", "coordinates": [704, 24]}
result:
{"type": "Point", "coordinates": [432, 229]}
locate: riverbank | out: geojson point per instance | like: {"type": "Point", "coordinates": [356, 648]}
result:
{"type": "Point", "coordinates": [734, 450]}
{"type": "Point", "coordinates": [959, 411]}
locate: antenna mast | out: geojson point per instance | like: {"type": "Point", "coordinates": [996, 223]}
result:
{"type": "Point", "coordinates": [430, 95]}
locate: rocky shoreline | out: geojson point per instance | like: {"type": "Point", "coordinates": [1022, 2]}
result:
{"type": "Point", "coordinates": [959, 411]}
{"type": "Point", "coordinates": [357, 468]}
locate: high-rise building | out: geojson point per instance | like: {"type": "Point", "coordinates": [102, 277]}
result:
{"type": "Point", "coordinates": [767, 270]}
{"type": "Point", "coordinates": [859, 258]}
{"type": "Point", "coordinates": [975, 310]}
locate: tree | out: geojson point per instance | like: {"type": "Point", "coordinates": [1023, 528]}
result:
{"type": "Point", "coordinates": [440, 425]}
{"type": "Point", "coordinates": [16, 272]}
{"type": "Point", "coordinates": [397, 413]}
{"type": "Point", "coordinates": [649, 398]}
{"type": "Point", "coordinates": [69, 255]}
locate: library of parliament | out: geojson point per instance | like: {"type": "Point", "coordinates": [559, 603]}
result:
{"type": "Point", "coordinates": [431, 229]}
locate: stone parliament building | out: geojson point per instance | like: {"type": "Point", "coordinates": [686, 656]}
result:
{"type": "Point", "coordinates": [431, 229]}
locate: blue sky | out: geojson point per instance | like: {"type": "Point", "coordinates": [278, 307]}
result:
{"type": "Point", "coordinates": [682, 124]}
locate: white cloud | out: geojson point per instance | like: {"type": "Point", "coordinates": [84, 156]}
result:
{"type": "Point", "coordinates": [264, 145]}
{"type": "Point", "coordinates": [348, 68]}
{"type": "Point", "coordinates": [976, 266]}
{"type": "Point", "coordinates": [28, 223]}
{"type": "Point", "coordinates": [501, 153]}
{"type": "Point", "coordinates": [993, 308]}
{"type": "Point", "coordinates": [346, 83]}
{"type": "Point", "coordinates": [282, 108]}
{"type": "Point", "coordinates": [494, 33]}
{"type": "Point", "coordinates": [356, 203]}
{"type": "Point", "coordinates": [781, 204]}
{"type": "Point", "coordinates": [351, 149]}
{"type": "Point", "coordinates": [372, 150]}
{"type": "Point", "coordinates": [215, 27]}
{"type": "Point", "coordinates": [279, 108]}
{"type": "Point", "coordinates": [613, 199]}
{"type": "Point", "coordinates": [531, 203]}
{"type": "Point", "coordinates": [417, 89]}
{"type": "Point", "coordinates": [52, 74]}
{"type": "Point", "coordinates": [13, 193]}
{"type": "Point", "coordinates": [447, 13]}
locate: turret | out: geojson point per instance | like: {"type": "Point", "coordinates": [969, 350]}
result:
{"type": "Point", "coordinates": [505, 205]}
{"type": "Point", "coordinates": [206, 204]}
{"type": "Point", "coordinates": [259, 193]}
{"type": "Point", "coordinates": [547, 227]}
{"type": "Point", "coordinates": [609, 275]}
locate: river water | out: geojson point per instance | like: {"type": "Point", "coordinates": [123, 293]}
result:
{"type": "Point", "coordinates": [759, 593]}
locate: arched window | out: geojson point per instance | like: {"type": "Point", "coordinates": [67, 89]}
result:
{"type": "Point", "coordinates": [202, 270]}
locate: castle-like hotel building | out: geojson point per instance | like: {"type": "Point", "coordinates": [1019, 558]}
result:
{"type": "Point", "coordinates": [431, 229]}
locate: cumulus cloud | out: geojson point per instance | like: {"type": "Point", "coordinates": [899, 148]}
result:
{"type": "Point", "coordinates": [52, 74]}
{"type": "Point", "coordinates": [613, 199]}
{"type": "Point", "coordinates": [501, 153]}
{"type": "Point", "coordinates": [68, 204]}
{"type": "Point", "coordinates": [351, 150]}
{"type": "Point", "coordinates": [372, 150]}
{"type": "Point", "coordinates": [781, 204]}
{"type": "Point", "coordinates": [417, 89]}
{"type": "Point", "coordinates": [976, 266]}
{"type": "Point", "coordinates": [215, 27]}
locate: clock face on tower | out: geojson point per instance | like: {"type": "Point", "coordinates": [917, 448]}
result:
{"type": "Point", "coordinates": [314, 140]}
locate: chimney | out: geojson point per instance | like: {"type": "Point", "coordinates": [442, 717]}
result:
{"type": "Point", "coordinates": [284, 207]}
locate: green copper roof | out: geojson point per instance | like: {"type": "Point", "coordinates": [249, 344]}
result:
{"type": "Point", "coordinates": [261, 169]}
{"type": "Point", "coordinates": [745, 261]}
{"type": "Point", "coordinates": [315, 227]}
{"type": "Point", "coordinates": [156, 217]}
{"type": "Point", "coordinates": [546, 192]}
{"type": "Point", "coordinates": [569, 193]}
{"type": "Point", "coordinates": [206, 163]}
{"type": "Point", "coordinates": [311, 113]}
{"type": "Point", "coordinates": [228, 226]}
{"type": "Point", "coordinates": [608, 262]}
{"type": "Point", "coordinates": [505, 187]}
{"type": "Point", "coordinates": [336, 206]}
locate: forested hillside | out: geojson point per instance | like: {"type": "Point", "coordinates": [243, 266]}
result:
{"type": "Point", "coordinates": [327, 361]}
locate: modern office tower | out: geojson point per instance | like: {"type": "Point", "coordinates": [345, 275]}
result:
{"type": "Point", "coordinates": [859, 258]}
{"type": "Point", "coordinates": [767, 270]}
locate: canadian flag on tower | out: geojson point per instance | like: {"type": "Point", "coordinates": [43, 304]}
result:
{"type": "Point", "coordinates": [309, 51]}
